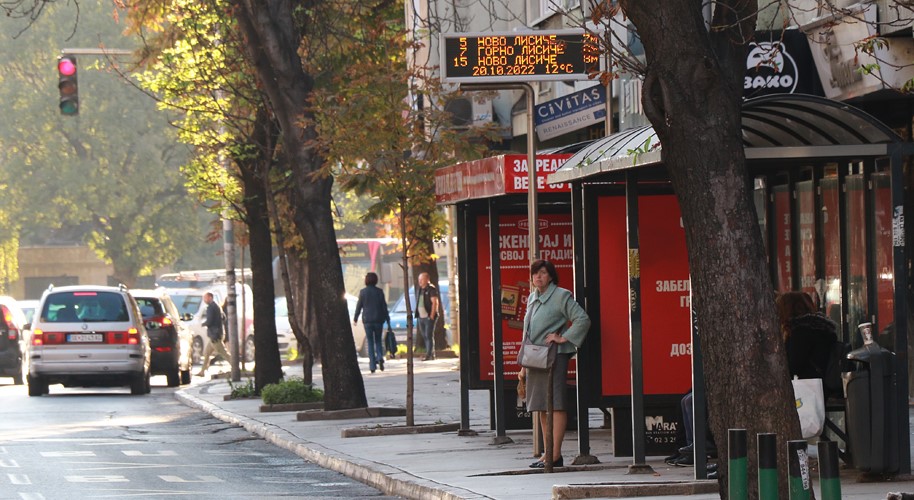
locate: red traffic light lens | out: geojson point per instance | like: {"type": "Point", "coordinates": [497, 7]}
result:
{"type": "Point", "coordinates": [66, 67]}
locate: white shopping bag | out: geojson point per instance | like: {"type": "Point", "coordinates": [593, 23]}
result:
{"type": "Point", "coordinates": [810, 403]}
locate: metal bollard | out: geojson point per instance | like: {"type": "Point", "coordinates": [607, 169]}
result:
{"type": "Point", "coordinates": [829, 475]}
{"type": "Point", "coordinates": [738, 465]}
{"type": "Point", "coordinates": [767, 466]}
{"type": "Point", "coordinates": [798, 470]}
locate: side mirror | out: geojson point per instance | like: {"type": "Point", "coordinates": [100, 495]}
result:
{"type": "Point", "coordinates": [187, 317]}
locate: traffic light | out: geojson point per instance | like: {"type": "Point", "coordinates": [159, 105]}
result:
{"type": "Point", "coordinates": [69, 89]}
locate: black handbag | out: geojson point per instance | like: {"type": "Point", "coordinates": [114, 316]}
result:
{"type": "Point", "coordinates": [390, 342]}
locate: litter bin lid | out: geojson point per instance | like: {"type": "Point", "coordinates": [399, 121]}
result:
{"type": "Point", "coordinates": [866, 353]}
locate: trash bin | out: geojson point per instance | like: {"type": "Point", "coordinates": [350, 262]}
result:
{"type": "Point", "coordinates": [872, 402]}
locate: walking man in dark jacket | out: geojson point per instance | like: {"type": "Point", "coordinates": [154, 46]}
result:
{"type": "Point", "coordinates": [215, 331]}
{"type": "Point", "coordinates": [427, 313]}
{"type": "Point", "coordinates": [371, 300]}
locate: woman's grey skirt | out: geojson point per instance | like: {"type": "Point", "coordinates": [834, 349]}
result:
{"type": "Point", "coordinates": [537, 381]}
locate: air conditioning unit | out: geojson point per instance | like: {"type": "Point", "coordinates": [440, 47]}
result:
{"type": "Point", "coordinates": [467, 111]}
{"type": "Point", "coordinates": [894, 17]}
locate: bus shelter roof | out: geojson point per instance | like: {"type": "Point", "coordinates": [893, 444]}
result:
{"type": "Point", "coordinates": [773, 127]}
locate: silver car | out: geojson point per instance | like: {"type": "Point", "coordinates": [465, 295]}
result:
{"type": "Point", "coordinates": [88, 336]}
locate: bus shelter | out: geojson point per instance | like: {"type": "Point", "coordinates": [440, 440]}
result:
{"type": "Point", "coordinates": [829, 195]}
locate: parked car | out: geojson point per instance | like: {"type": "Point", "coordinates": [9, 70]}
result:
{"type": "Point", "coordinates": [398, 312]}
{"type": "Point", "coordinates": [28, 308]}
{"type": "Point", "coordinates": [169, 337]}
{"type": "Point", "coordinates": [14, 336]}
{"type": "Point", "coordinates": [88, 336]}
{"type": "Point", "coordinates": [284, 336]}
{"type": "Point", "coordinates": [193, 312]}
{"type": "Point", "coordinates": [358, 330]}
{"type": "Point", "coordinates": [283, 330]}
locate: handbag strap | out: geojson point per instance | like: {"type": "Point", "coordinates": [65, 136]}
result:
{"type": "Point", "coordinates": [532, 312]}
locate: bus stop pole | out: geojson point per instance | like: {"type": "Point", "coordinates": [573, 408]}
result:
{"type": "Point", "coordinates": [533, 239]}
{"type": "Point", "coordinates": [638, 466]}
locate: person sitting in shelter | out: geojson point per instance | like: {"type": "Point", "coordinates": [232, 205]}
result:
{"type": "Point", "coordinates": [808, 335]}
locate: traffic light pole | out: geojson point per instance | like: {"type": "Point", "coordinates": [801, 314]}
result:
{"type": "Point", "coordinates": [96, 52]}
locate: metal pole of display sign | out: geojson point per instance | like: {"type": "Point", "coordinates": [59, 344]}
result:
{"type": "Point", "coordinates": [509, 61]}
{"type": "Point", "coordinates": [533, 236]}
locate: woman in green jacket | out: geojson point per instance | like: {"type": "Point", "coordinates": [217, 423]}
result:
{"type": "Point", "coordinates": [553, 316]}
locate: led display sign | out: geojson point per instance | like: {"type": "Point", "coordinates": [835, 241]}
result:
{"type": "Point", "coordinates": [518, 57]}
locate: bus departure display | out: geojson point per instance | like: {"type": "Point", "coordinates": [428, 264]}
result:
{"type": "Point", "coordinates": [518, 57]}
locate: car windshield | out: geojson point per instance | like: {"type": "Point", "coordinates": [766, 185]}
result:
{"type": "Point", "coordinates": [150, 307]}
{"type": "Point", "coordinates": [89, 307]}
{"type": "Point", "coordinates": [400, 306]}
{"type": "Point", "coordinates": [187, 304]}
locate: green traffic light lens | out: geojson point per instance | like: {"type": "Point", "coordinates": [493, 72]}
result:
{"type": "Point", "coordinates": [69, 108]}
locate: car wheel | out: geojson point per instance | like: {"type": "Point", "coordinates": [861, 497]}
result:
{"type": "Point", "coordinates": [174, 377]}
{"type": "Point", "coordinates": [185, 376]}
{"type": "Point", "coordinates": [37, 386]}
{"type": "Point", "coordinates": [138, 384]}
{"type": "Point", "coordinates": [249, 349]}
{"type": "Point", "coordinates": [363, 349]}
{"type": "Point", "coordinates": [148, 382]}
{"type": "Point", "coordinates": [196, 351]}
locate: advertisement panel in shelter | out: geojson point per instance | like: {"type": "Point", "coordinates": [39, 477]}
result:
{"type": "Point", "coordinates": [665, 297]}
{"type": "Point", "coordinates": [555, 245]}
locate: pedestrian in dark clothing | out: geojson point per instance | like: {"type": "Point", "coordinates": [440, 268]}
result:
{"type": "Point", "coordinates": [808, 335]}
{"type": "Point", "coordinates": [215, 325]}
{"type": "Point", "coordinates": [371, 300]}
{"type": "Point", "coordinates": [427, 313]}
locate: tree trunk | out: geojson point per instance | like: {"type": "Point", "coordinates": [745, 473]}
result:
{"type": "Point", "coordinates": [267, 364]}
{"type": "Point", "coordinates": [692, 95]}
{"type": "Point", "coordinates": [306, 327]}
{"type": "Point", "coordinates": [273, 38]}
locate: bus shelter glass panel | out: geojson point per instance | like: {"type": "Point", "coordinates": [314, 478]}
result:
{"type": "Point", "coordinates": [885, 280]}
{"type": "Point", "coordinates": [782, 229]}
{"type": "Point", "coordinates": [806, 212]}
{"type": "Point", "coordinates": [856, 252]}
{"type": "Point", "coordinates": [760, 197]}
{"type": "Point", "coordinates": [831, 240]}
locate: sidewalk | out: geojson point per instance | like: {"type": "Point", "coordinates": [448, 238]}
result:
{"type": "Point", "coordinates": [447, 466]}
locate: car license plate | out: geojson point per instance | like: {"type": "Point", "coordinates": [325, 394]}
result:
{"type": "Point", "coordinates": [84, 337]}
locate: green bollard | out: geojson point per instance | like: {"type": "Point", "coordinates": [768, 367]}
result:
{"type": "Point", "coordinates": [798, 470]}
{"type": "Point", "coordinates": [767, 466]}
{"type": "Point", "coordinates": [737, 464]}
{"type": "Point", "coordinates": [829, 475]}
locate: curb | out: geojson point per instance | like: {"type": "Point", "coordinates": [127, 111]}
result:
{"type": "Point", "coordinates": [388, 479]}
{"type": "Point", "coordinates": [633, 489]}
{"type": "Point", "coordinates": [395, 430]}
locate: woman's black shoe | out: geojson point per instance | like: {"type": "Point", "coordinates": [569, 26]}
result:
{"type": "Point", "coordinates": [542, 465]}
{"type": "Point", "coordinates": [382, 365]}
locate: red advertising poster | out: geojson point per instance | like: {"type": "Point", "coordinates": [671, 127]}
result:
{"type": "Point", "coordinates": [665, 286]}
{"type": "Point", "coordinates": [615, 355]}
{"type": "Point", "coordinates": [555, 245]}
{"type": "Point", "coordinates": [831, 231]}
{"type": "Point", "coordinates": [885, 272]}
{"type": "Point", "coordinates": [807, 227]}
{"type": "Point", "coordinates": [781, 225]}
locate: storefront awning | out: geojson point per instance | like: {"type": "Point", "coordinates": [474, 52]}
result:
{"type": "Point", "coordinates": [781, 126]}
